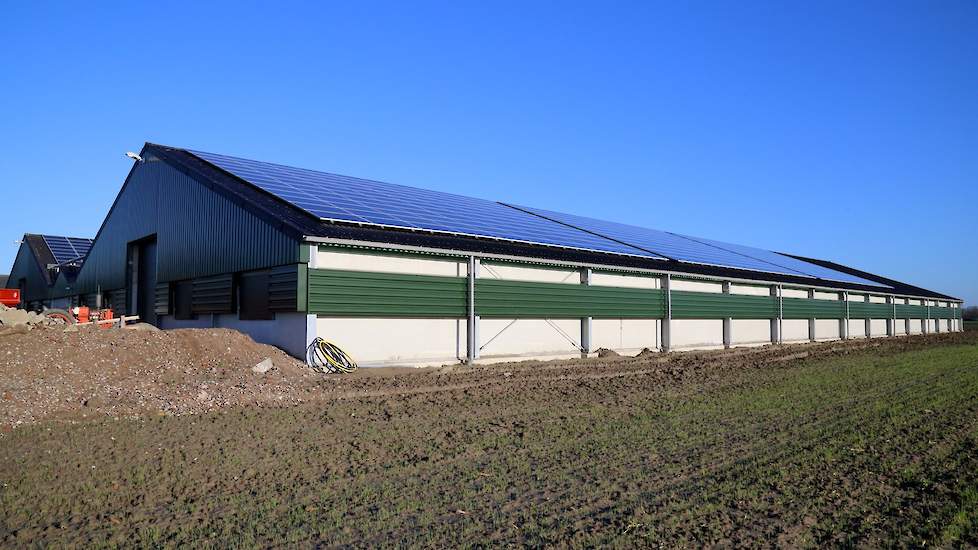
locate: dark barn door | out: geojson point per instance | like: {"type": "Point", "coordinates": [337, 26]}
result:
{"type": "Point", "coordinates": [141, 280]}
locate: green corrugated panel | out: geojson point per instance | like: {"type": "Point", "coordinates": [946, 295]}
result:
{"type": "Point", "coordinates": [709, 305]}
{"type": "Point", "coordinates": [803, 308]}
{"type": "Point", "coordinates": [509, 299]}
{"type": "Point", "coordinates": [359, 293]}
{"type": "Point", "coordinates": [941, 313]}
{"type": "Point", "coordinates": [909, 311]}
{"type": "Point", "coordinates": [870, 310]}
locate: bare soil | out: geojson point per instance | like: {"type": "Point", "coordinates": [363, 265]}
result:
{"type": "Point", "coordinates": [866, 442]}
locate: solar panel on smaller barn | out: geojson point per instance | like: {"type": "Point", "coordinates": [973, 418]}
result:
{"type": "Point", "coordinates": [65, 249]}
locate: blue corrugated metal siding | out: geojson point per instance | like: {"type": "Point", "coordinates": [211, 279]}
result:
{"type": "Point", "coordinates": [199, 233]}
{"type": "Point", "coordinates": [25, 267]}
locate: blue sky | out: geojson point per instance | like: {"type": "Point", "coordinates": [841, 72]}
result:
{"type": "Point", "coordinates": [841, 130]}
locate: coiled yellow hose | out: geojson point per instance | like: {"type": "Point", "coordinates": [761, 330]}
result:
{"type": "Point", "coordinates": [328, 358]}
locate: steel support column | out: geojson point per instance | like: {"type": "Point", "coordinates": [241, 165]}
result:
{"type": "Point", "coordinates": [586, 321]}
{"type": "Point", "coordinates": [667, 321]}
{"type": "Point", "coordinates": [844, 322]}
{"type": "Point", "coordinates": [472, 327]}
{"type": "Point", "coordinates": [891, 322]}
{"type": "Point", "coordinates": [727, 321]}
{"type": "Point", "coordinates": [869, 321]}
{"type": "Point", "coordinates": [906, 322]}
{"type": "Point", "coordinates": [811, 321]}
{"type": "Point", "coordinates": [776, 322]}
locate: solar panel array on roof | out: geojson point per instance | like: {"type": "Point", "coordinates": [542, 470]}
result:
{"type": "Point", "coordinates": [660, 242]}
{"type": "Point", "coordinates": [788, 262]}
{"type": "Point", "coordinates": [65, 249]}
{"type": "Point", "coordinates": [343, 198]}
{"type": "Point", "coordinates": [697, 250]}
{"type": "Point", "coordinates": [334, 197]}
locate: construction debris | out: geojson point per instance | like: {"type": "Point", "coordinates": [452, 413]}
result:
{"type": "Point", "coordinates": [263, 367]}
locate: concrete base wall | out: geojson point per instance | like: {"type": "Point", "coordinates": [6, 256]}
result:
{"type": "Point", "coordinates": [696, 333]}
{"type": "Point", "coordinates": [794, 330]}
{"type": "Point", "coordinates": [286, 332]}
{"type": "Point", "coordinates": [378, 342]}
{"type": "Point", "coordinates": [827, 329]}
{"type": "Point", "coordinates": [625, 335]}
{"type": "Point", "coordinates": [529, 337]}
{"type": "Point", "coordinates": [878, 327]}
{"type": "Point", "coordinates": [749, 332]}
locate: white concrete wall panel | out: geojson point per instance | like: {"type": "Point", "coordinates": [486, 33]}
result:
{"type": "Point", "coordinates": [750, 331]}
{"type": "Point", "coordinates": [696, 333]}
{"type": "Point", "coordinates": [334, 259]}
{"type": "Point", "coordinates": [857, 328]}
{"type": "Point", "coordinates": [827, 329]}
{"type": "Point", "coordinates": [514, 272]}
{"type": "Point", "coordinates": [877, 299]}
{"type": "Point", "coordinates": [794, 293]}
{"type": "Point", "coordinates": [625, 335]}
{"type": "Point", "coordinates": [916, 326]}
{"type": "Point", "coordinates": [748, 290]}
{"type": "Point", "coordinates": [827, 296]}
{"type": "Point", "coordinates": [396, 341]}
{"type": "Point", "coordinates": [624, 281]}
{"type": "Point", "coordinates": [696, 286]}
{"type": "Point", "coordinates": [899, 327]}
{"type": "Point", "coordinates": [530, 337]}
{"type": "Point", "coordinates": [794, 330]}
{"type": "Point", "coordinates": [878, 326]}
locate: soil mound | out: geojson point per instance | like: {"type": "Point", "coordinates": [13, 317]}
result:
{"type": "Point", "coordinates": [50, 373]}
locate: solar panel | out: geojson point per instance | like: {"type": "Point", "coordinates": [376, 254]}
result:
{"type": "Point", "coordinates": [333, 197]}
{"type": "Point", "coordinates": [347, 199]}
{"type": "Point", "coordinates": [789, 262]}
{"type": "Point", "coordinates": [667, 244]}
{"type": "Point", "coordinates": [65, 249]}
{"type": "Point", "coordinates": [697, 250]}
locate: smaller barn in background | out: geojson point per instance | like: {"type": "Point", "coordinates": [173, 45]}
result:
{"type": "Point", "coordinates": [45, 268]}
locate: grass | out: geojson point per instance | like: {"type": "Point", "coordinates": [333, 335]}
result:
{"type": "Point", "coordinates": [861, 449]}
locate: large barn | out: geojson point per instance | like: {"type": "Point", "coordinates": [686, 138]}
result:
{"type": "Point", "coordinates": [399, 275]}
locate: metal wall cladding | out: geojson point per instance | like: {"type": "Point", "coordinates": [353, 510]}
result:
{"type": "Point", "coordinates": [942, 313]}
{"type": "Point", "coordinates": [804, 308]}
{"type": "Point", "coordinates": [213, 294]}
{"type": "Point", "coordinates": [287, 288]}
{"type": "Point", "coordinates": [357, 293]}
{"type": "Point", "coordinates": [199, 232]}
{"type": "Point", "coordinates": [909, 311]}
{"type": "Point", "coordinates": [870, 310]}
{"type": "Point", "coordinates": [161, 299]}
{"type": "Point", "coordinates": [25, 267]}
{"type": "Point", "coordinates": [519, 299]}
{"type": "Point", "coordinates": [708, 305]}
{"type": "Point", "coordinates": [116, 301]}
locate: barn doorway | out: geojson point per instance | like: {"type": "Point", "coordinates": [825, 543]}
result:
{"type": "Point", "coordinates": [141, 279]}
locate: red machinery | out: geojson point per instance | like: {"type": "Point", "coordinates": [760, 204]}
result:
{"type": "Point", "coordinates": [10, 297]}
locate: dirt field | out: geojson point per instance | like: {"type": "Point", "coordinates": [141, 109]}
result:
{"type": "Point", "coordinates": [870, 442]}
